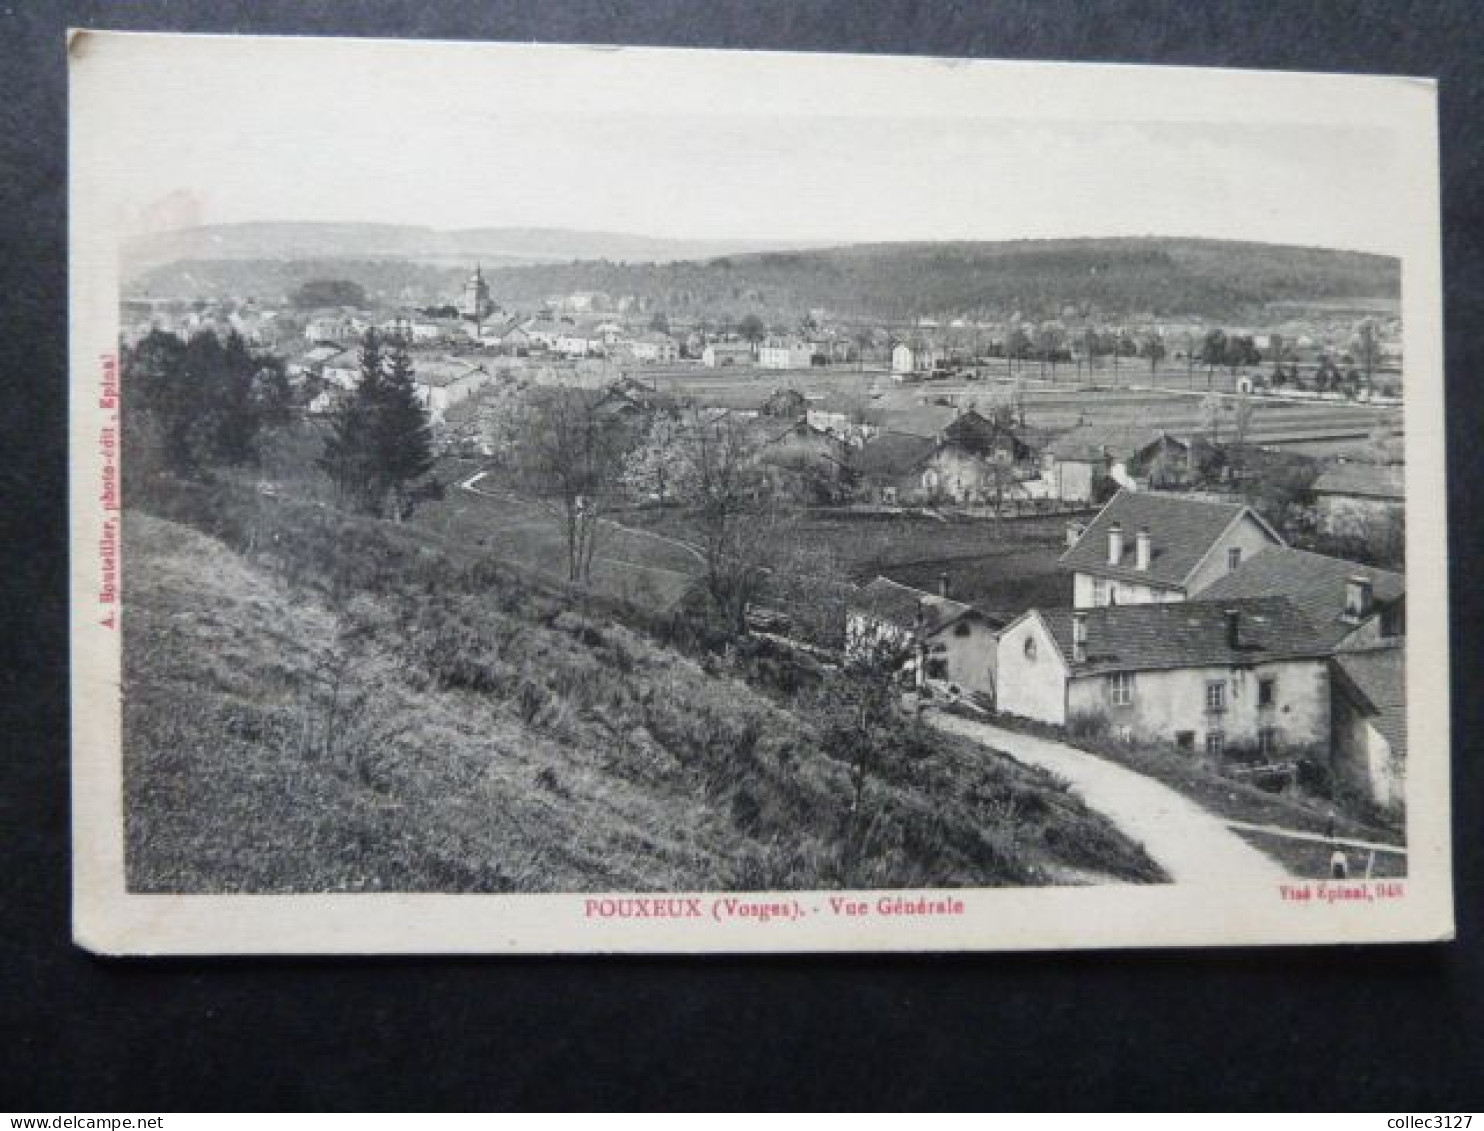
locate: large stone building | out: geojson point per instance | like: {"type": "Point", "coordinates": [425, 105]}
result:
{"type": "Point", "coordinates": [1216, 676]}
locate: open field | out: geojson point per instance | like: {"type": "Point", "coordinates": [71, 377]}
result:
{"type": "Point", "coordinates": [1004, 568]}
{"type": "Point", "coordinates": [629, 565]}
{"type": "Point", "coordinates": [1051, 406]}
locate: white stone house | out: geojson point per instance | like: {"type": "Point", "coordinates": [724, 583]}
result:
{"type": "Point", "coordinates": [785, 353]}
{"type": "Point", "coordinates": [1219, 677]}
{"type": "Point", "coordinates": [719, 355]}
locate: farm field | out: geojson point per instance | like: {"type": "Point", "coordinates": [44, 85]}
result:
{"type": "Point", "coordinates": [629, 565]}
{"type": "Point", "coordinates": [1124, 399]}
{"type": "Point", "coordinates": [1005, 569]}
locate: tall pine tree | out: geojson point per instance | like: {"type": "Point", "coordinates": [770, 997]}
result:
{"type": "Point", "coordinates": [349, 457]}
{"type": "Point", "coordinates": [404, 432]}
{"type": "Point", "coordinates": [381, 440]}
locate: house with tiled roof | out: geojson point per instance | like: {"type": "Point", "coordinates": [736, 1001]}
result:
{"type": "Point", "coordinates": [445, 381]}
{"type": "Point", "coordinates": [975, 460]}
{"type": "Point", "coordinates": [1369, 723]}
{"type": "Point", "coordinates": [1350, 604]}
{"type": "Point", "coordinates": [653, 347]}
{"type": "Point", "coordinates": [510, 337]}
{"type": "Point", "coordinates": [1247, 676]}
{"type": "Point", "coordinates": [885, 466]}
{"type": "Point", "coordinates": [930, 635]}
{"type": "Point", "coordinates": [1149, 547]}
{"type": "Point", "coordinates": [581, 339]}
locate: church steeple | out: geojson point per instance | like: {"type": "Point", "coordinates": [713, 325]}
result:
{"type": "Point", "coordinates": [475, 303]}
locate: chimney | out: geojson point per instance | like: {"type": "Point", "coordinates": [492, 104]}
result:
{"type": "Point", "coordinates": [1079, 638]}
{"type": "Point", "coordinates": [1115, 544]}
{"type": "Point", "coordinates": [1359, 597]}
{"type": "Point", "coordinates": [1074, 534]}
{"type": "Point", "coordinates": [1141, 548]}
{"type": "Point", "coordinates": [1233, 629]}
{"type": "Point", "coordinates": [942, 585]}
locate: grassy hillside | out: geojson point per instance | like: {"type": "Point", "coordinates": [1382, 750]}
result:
{"type": "Point", "coordinates": [319, 703]}
{"type": "Point", "coordinates": [1221, 280]}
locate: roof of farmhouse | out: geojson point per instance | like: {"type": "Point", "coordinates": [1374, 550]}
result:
{"type": "Point", "coordinates": [1187, 634]}
{"type": "Point", "coordinates": [438, 372]}
{"type": "Point", "coordinates": [1313, 582]}
{"type": "Point", "coordinates": [1087, 441]}
{"type": "Point", "coordinates": [891, 454]}
{"type": "Point", "coordinates": [1182, 532]}
{"type": "Point", "coordinates": [899, 605]}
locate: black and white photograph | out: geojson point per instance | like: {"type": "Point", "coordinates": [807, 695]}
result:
{"type": "Point", "coordinates": [571, 500]}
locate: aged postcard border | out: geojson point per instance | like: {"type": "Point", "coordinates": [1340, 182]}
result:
{"type": "Point", "coordinates": [109, 919]}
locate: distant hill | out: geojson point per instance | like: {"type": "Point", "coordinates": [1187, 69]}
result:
{"type": "Point", "coordinates": [1164, 277]}
{"type": "Point", "coordinates": [268, 241]}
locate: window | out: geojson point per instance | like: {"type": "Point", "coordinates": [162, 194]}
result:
{"type": "Point", "coordinates": [963, 628]}
{"type": "Point", "coordinates": [1233, 558]}
{"type": "Point", "coordinates": [937, 669]}
{"type": "Point", "coordinates": [1216, 696]}
{"type": "Point", "coordinates": [1121, 688]}
{"type": "Point", "coordinates": [1265, 692]}
{"type": "Point", "coordinates": [1030, 647]}
{"type": "Point", "coordinates": [1099, 595]}
{"type": "Point", "coordinates": [1267, 741]}
{"type": "Point", "coordinates": [1215, 743]}
{"type": "Point", "coordinates": [1185, 740]}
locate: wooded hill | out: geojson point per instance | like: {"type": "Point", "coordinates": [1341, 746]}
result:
{"type": "Point", "coordinates": [1219, 280]}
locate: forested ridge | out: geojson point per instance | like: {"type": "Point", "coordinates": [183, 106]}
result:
{"type": "Point", "coordinates": [1221, 280]}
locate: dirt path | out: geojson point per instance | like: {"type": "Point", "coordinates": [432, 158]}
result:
{"type": "Point", "coordinates": [1190, 844]}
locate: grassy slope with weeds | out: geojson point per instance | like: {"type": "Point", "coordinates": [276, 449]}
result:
{"type": "Point", "coordinates": [314, 702]}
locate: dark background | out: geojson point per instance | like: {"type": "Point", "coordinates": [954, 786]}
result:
{"type": "Point", "coordinates": [1394, 1029]}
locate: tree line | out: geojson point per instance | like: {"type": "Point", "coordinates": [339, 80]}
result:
{"type": "Point", "coordinates": [195, 407]}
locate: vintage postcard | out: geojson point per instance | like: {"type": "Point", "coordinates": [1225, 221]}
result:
{"type": "Point", "coordinates": [537, 499]}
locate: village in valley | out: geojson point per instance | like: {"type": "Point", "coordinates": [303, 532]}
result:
{"type": "Point", "coordinates": [1167, 541]}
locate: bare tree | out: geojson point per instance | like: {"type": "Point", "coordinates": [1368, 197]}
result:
{"type": "Point", "coordinates": [731, 494]}
{"type": "Point", "coordinates": [571, 456]}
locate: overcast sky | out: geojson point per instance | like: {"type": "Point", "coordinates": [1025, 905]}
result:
{"type": "Point", "coordinates": [702, 145]}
